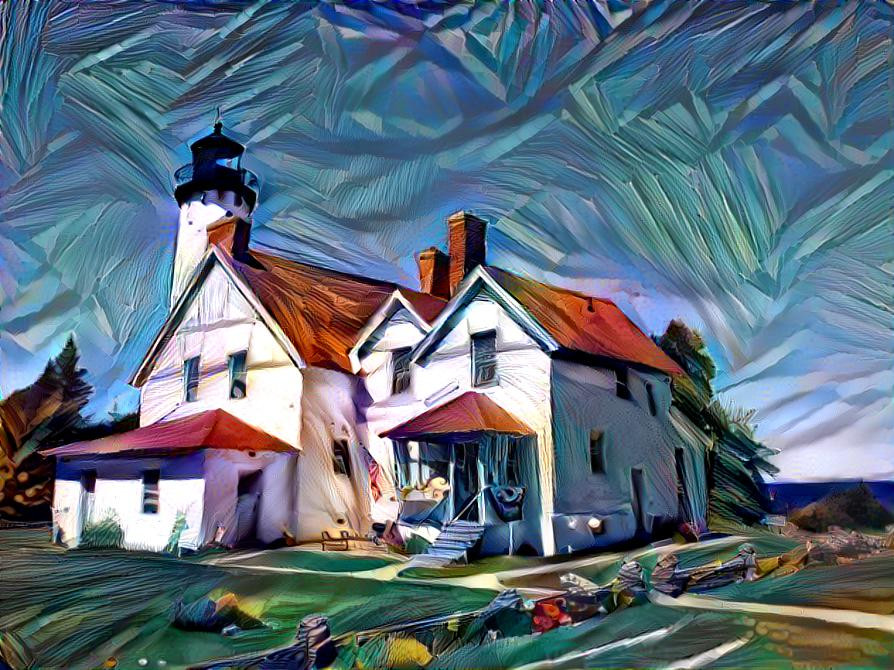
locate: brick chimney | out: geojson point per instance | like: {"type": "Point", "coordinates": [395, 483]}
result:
{"type": "Point", "coordinates": [434, 269]}
{"type": "Point", "coordinates": [466, 241]}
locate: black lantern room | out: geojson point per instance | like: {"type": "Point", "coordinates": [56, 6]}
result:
{"type": "Point", "coordinates": [216, 166]}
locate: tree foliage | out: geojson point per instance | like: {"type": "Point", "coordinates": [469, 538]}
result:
{"type": "Point", "coordinates": [737, 460]}
{"type": "Point", "coordinates": [41, 415]}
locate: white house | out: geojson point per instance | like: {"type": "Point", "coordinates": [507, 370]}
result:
{"type": "Point", "coordinates": [523, 416]}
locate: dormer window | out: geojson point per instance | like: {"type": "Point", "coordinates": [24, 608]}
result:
{"type": "Point", "coordinates": [191, 379]}
{"type": "Point", "coordinates": [400, 370]}
{"type": "Point", "coordinates": [238, 374]}
{"type": "Point", "coordinates": [484, 358]}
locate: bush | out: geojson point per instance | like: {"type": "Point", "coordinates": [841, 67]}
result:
{"type": "Point", "coordinates": [105, 534]}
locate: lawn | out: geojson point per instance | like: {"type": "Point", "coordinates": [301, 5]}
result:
{"type": "Point", "coordinates": [76, 609]}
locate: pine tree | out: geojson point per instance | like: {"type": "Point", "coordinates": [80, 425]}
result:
{"type": "Point", "coordinates": [39, 416]}
{"type": "Point", "coordinates": [737, 460]}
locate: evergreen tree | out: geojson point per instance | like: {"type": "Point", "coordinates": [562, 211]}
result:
{"type": "Point", "coordinates": [40, 416]}
{"type": "Point", "coordinates": [737, 460]}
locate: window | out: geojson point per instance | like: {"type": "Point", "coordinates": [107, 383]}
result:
{"type": "Point", "coordinates": [341, 458]}
{"type": "Point", "coordinates": [597, 452]}
{"type": "Point", "coordinates": [400, 370]}
{"type": "Point", "coordinates": [150, 491]}
{"type": "Point", "coordinates": [513, 478]}
{"type": "Point", "coordinates": [191, 379]}
{"type": "Point", "coordinates": [484, 359]}
{"type": "Point", "coordinates": [650, 396]}
{"type": "Point", "coordinates": [238, 374]}
{"type": "Point", "coordinates": [621, 388]}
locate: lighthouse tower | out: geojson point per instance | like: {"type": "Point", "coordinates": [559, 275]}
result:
{"type": "Point", "coordinates": [213, 186]}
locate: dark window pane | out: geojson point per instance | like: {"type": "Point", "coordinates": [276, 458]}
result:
{"type": "Point", "coordinates": [191, 379]}
{"type": "Point", "coordinates": [238, 374]}
{"type": "Point", "coordinates": [597, 455]}
{"type": "Point", "coordinates": [341, 458]}
{"type": "Point", "coordinates": [400, 366]}
{"type": "Point", "coordinates": [621, 388]}
{"type": "Point", "coordinates": [484, 359]}
{"type": "Point", "coordinates": [150, 491]}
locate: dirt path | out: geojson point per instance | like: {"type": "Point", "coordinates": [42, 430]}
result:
{"type": "Point", "coordinates": [852, 618]}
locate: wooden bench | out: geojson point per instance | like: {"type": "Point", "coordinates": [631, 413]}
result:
{"type": "Point", "coordinates": [336, 543]}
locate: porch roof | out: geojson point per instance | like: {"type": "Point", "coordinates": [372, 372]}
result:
{"type": "Point", "coordinates": [469, 413]}
{"type": "Point", "coordinates": [214, 429]}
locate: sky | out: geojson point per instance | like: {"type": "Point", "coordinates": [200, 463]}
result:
{"type": "Point", "coordinates": [725, 163]}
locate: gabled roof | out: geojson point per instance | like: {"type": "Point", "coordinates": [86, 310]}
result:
{"type": "Point", "coordinates": [322, 311]}
{"type": "Point", "coordinates": [213, 429]}
{"type": "Point", "coordinates": [316, 311]}
{"type": "Point", "coordinates": [467, 414]}
{"type": "Point", "coordinates": [560, 320]}
{"type": "Point", "coordinates": [585, 324]}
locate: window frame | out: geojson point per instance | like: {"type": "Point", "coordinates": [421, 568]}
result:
{"type": "Point", "coordinates": [191, 375]}
{"type": "Point", "coordinates": [238, 378]}
{"type": "Point", "coordinates": [400, 377]}
{"type": "Point", "coordinates": [596, 451]}
{"type": "Point", "coordinates": [479, 380]}
{"type": "Point", "coordinates": [650, 399]}
{"type": "Point", "coordinates": [341, 462]}
{"type": "Point", "coordinates": [151, 495]}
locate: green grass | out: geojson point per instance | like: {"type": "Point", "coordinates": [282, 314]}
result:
{"type": "Point", "coordinates": [75, 609]}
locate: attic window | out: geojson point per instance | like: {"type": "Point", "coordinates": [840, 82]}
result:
{"type": "Point", "coordinates": [400, 369]}
{"type": "Point", "coordinates": [191, 379]}
{"type": "Point", "coordinates": [341, 458]}
{"type": "Point", "coordinates": [650, 396]}
{"type": "Point", "coordinates": [236, 364]}
{"type": "Point", "coordinates": [484, 359]}
{"type": "Point", "coordinates": [621, 388]}
{"type": "Point", "coordinates": [597, 452]}
{"type": "Point", "coordinates": [150, 491]}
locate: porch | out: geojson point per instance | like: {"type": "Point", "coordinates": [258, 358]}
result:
{"type": "Point", "coordinates": [467, 470]}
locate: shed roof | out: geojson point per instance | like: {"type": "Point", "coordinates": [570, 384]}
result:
{"type": "Point", "coordinates": [471, 412]}
{"type": "Point", "coordinates": [212, 429]}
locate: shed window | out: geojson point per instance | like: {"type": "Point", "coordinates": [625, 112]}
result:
{"type": "Point", "coordinates": [150, 491]}
{"type": "Point", "coordinates": [238, 374]}
{"type": "Point", "coordinates": [341, 458]}
{"type": "Point", "coordinates": [191, 379]}
{"type": "Point", "coordinates": [650, 396]}
{"type": "Point", "coordinates": [621, 388]}
{"type": "Point", "coordinates": [400, 369]}
{"type": "Point", "coordinates": [484, 359]}
{"type": "Point", "coordinates": [597, 452]}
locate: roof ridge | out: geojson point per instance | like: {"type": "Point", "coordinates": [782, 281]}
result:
{"type": "Point", "coordinates": [553, 287]}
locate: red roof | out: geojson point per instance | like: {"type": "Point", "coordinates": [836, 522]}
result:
{"type": "Point", "coordinates": [214, 429]}
{"type": "Point", "coordinates": [321, 311]}
{"type": "Point", "coordinates": [472, 412]}
{"type": "Point", "coordinates": [578, 322]}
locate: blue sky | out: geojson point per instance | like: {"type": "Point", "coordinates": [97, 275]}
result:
{"type": "Point", "coordinates": [727, 163]}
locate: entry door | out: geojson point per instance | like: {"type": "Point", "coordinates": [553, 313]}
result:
{"type": "Point", "coordinates": [466, 480]}
{"type": "Point", "coordinates": [248, 496]}
{"type": "Point", "coordinates": [88, 494]}
{"type": "Point", "coordinates": [637, 499]}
